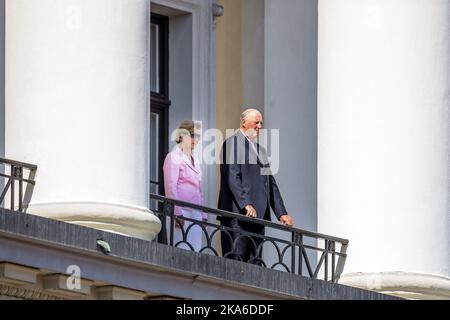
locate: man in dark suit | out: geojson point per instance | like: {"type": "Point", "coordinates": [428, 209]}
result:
{"type": "Point", "coordinates": [247, 187]}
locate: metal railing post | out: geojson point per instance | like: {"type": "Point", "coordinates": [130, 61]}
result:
{"type": "Point", "coordinates": [13, 183]}
{"type": "Point", "coordinates": [20, 176]}
{"type": "Point", "coordinates": [300, 255]}
{"type": "Point", "coordinates": [168, 211]}
{"type": "Point", "coordinates": [162, 235]}
{"type": "Point", "coordinates": [294, 242]}
{"type": "Point", "coordinates": [333, 261]}
{"type": "Point", "coordinates": [326, 260]}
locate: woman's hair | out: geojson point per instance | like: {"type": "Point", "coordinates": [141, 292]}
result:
{"type": "Point", "coordinates": [186, 128]}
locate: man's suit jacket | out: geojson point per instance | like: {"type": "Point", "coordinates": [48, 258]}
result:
{"type": "Point", "coordinates": [245, 179]}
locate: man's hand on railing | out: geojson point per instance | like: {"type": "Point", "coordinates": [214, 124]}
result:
{"type": "Point", "coordinates": [251, 211]}
{"type": "Point", "coordinates": [287, 220]}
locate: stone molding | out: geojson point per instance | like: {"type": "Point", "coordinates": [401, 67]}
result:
{"type": "Point", "coordinates": [26, 293]}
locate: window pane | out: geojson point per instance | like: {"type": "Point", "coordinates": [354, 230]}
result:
{"type": "Point", "coordinates": [154, 188]}
{"type": "Point", "coordinates": [154, 58]}
{"type": "Point", "coordinates": [154, 147]}
{"type": "Point", "coordinates": [154, 158]}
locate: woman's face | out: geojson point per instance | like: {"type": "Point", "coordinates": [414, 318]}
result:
{"type": "Point", "coordinates": [190, 141]}
{"type": "Point", "coordinates": [194, 140]}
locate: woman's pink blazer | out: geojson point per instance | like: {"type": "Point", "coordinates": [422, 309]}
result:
{"type": "Point", "coordinates": [182, 179]}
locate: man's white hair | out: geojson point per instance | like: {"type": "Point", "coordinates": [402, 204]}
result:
{"type": "Point", "coordinates": [247, 113]}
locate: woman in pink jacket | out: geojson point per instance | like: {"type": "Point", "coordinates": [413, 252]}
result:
{"type": "Point", "coordinates": [182, 181]}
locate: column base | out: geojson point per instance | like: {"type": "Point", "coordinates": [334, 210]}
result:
{"type": "Point", "coordinates": [133, 221]}
{"type": "Point", "coordinates": [407, 285]}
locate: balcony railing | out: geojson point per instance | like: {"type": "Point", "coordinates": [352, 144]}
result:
{"type": "Point", "coordinates": [293, 250]}
{"type": "Point", "coordinates": [15, 178]}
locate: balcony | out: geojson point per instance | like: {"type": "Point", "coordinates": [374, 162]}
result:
{"type": "Point", "coordinates": [43, 258]}
{"type": "Point", "coordinates": [293, 251]}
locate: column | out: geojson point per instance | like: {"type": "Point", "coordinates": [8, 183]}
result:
{"type": "Point", "coordinates": [383, 158]}
{"type": "Point", "coordinates": [77, 105]}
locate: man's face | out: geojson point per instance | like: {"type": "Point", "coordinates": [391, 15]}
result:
{"type": "Point", "coordinates": [253, 124]}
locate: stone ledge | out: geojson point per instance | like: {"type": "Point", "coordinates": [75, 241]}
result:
{"type": "Point", "coordinates": [118, 293]}
{"type": "Point", "coordinates": [60, 283]}
{"type": "Point", "coordinates": [17, 274]}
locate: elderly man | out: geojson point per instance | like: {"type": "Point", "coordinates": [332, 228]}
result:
{"type": "Point", "coordinates": [247, 187]}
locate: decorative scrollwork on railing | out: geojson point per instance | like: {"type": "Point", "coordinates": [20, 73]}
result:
{"type": "Point", "coordinates": [292, 250]}
{"type": "Point", "coordinates": [16, 178]}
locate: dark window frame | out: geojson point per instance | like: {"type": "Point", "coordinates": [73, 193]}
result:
{"type": "Point", "coordinates": [160, 102]}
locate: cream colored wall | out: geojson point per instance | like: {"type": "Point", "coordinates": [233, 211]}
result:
{"type": "Point", "coordinates": [229, 65]}
{"type": "Point", "coordinates": [253, 53]}
{"type": "Point", "coordinates": [229, 81]}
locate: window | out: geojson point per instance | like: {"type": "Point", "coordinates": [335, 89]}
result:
{"type": "Point", "coordinates": [160, 102]}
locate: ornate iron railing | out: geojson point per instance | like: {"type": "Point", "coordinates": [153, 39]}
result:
{"type": "Point", "coordinates": [296, 251]}
{"type": "Point", "coordinates": [16, 176]}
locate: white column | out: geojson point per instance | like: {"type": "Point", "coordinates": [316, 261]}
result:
{"type": "Point", "coordinates": [77, 105]}
{"type": "Point", "coordinates": [383, 162]}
